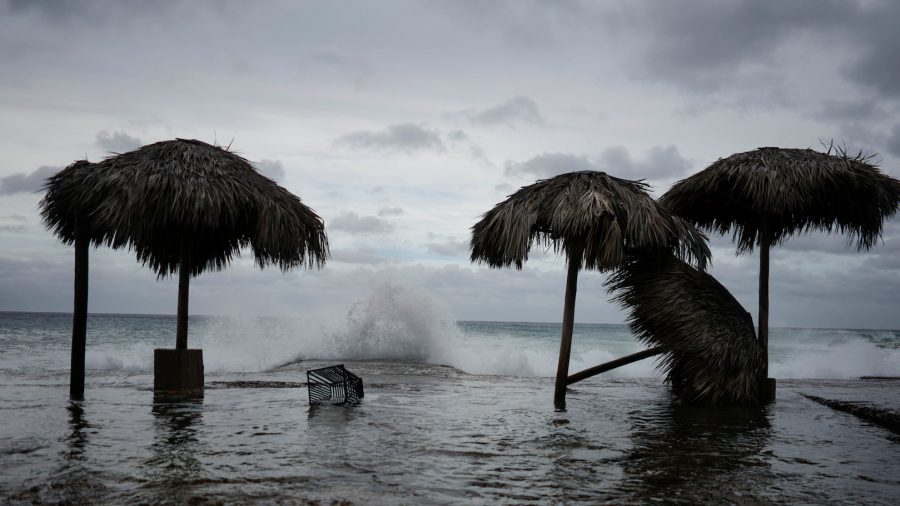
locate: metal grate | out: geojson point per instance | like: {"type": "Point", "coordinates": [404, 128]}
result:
{"type": "Point", "coordinates": [334, 384]}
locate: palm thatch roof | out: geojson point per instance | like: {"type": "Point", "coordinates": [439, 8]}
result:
{"type": "Point", "coordinates": [712, 355]}
{"type": "Point", "coordinates": [602, 215]}
{"type": "Point", "coordinates": [795, 190]}
{"type": "Point", "coordinates": [157, 197]}
{"type": "Point", "coordinates": [64, 201]}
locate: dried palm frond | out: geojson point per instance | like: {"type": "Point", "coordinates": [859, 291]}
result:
{"type": "Point", "coordinates": [598, 217]}
{"type": "Point", "coordinates": [185, 192]}
{"type": "Point", "coordinates": [712, 355]}
{"type": "Point", "coordinates": [790, 191]}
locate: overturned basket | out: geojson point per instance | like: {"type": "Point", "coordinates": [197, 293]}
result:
{"type": "Point", "coordinates": [334, 384]}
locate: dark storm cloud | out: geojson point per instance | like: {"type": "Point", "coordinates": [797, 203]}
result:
{"type": "Point", "coordinates": [403, 137]}
{"type": "Point", "coordinates": [13, 229]}
{"type": "Point", "coordinates": [352, 222]}
{"type": "Point", "coordinates": [117, 142]}
{"type": "Point", "coordinates": [874, 28]}
{"type": "Point", "coordinates": [449, 248]}
{"type": "Point", "coordinates": [704, 45]}
{"type": "Point", "coordinates": [519, 109]}
{"type": "Point", "coordinates": [27, 183]}
{"type": "Point", "coordinates": [851, 110]}
{"type": "Point", "coordinates": [701, 44]}
{"type": "Point", "coordinates": [820, 243]}
{"type": "Point", "coordinates": [893, 141]}
{"type": "Point", "coordinates": [390, 211]}
{"type": "Point", "coordinates": [660, 162]}
{"type": "Point", "coordinates": [56, 10]}
{"type": "Point", "coordinates": [272, 169]}
{"type": "Point", "coordinates": [548, 165]}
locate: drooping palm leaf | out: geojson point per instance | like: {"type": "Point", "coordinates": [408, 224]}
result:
{"type": "Point", "coordinates": [711, 352]}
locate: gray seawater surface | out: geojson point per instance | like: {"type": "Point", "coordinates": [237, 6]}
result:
{"type": "Point", "coordinates": [429, 434]}
{"type": "Point", "coordinates": [424, 434]}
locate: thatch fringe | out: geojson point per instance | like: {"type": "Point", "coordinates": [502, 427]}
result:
{"type": "Point", "coordinates": [157, 197]}
{"type": "Point", "coordinates": [599, 217]}
{"type": "Point", "coordinates": [796, 190]}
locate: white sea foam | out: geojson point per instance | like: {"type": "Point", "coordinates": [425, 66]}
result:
{"type": "Point", "coordinates": [403, 323]}
{"type": "Point", "coordinates": [400, 323]}
{"type": "Point", "coordinates": [850, 359]}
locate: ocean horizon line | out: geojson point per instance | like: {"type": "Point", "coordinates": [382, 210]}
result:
{"type": "Point", "coordinates": [623, 324]}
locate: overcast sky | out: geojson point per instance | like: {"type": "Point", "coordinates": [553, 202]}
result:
{"type": "Point", "coordinates": [402, 122]}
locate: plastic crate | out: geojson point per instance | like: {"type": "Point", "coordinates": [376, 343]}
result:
{"type": "Point", "coordinates": [334, 384]}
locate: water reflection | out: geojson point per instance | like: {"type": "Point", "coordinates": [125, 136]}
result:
{"type": "Point", "coordinates": [328, 414]}
{"type": "Point", "coordinates": [77, 437]}
{"type": "Point", "coordinates": [74, 482]}
{"type": "Point", "coordinates": [174, 463]}
{"type": "Point", "coordinates": [697, 454]}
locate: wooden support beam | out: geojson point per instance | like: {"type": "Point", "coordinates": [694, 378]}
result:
{"type": "Point", "coordinates": [613, 364]}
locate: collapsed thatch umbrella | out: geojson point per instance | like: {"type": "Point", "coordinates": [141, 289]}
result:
{"type": "Point", "coordinates": [768, 194]}
{"type": "Point", "coordinates": [595, 219]}
{"type": "Point", "coordinates": [186, 206]}
{"type": "Point", "coordinates": [711, 352]}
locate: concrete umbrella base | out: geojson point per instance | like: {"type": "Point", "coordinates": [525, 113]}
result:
{"type": "Point", "coordinates": [767, 390]}
{"type": "Point", "coordinates": [178, 371]}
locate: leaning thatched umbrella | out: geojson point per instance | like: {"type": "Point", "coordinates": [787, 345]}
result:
{"type": "Point", "coordinates": [595, 219]}
{"type": "Point", "coordinates": [185, 206]}
{"type": "Point", "coordinates": [711, 352]}
{"type": "Point", "coordinates": [769, 194]}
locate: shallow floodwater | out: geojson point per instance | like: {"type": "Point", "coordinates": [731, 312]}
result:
{"type": "Point", "coordinates": [480, 432]}
{"type": "Point", "coordinates": [426, 434]}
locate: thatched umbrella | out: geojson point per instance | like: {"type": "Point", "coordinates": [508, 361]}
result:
{"type": "Point", "coordinates": [186, 206]}
{"type": "Point", "coordinates": [75, 228]}
{"type": "Point", "coordinates": [595, 219]}
{"type": "Point", "coordinates": [711, 353]}
{"type": "Point", "coordinates": [769, 194]}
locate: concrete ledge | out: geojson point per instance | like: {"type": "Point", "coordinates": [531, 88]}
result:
{"type": "Point", "coordinates": [178, 371]}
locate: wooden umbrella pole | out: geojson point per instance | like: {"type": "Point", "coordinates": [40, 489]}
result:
{"type": "Point", "coordinates": [79, 314]}
{"type": "Point", "coordinates": [565, 343]}
{"type": "Point", "coordinates": [184, 279]}
{"type": "Point", "coordinates": [763, 333]}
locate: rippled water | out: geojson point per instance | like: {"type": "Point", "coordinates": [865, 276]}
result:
{"type": "Point", "coordinates": [429, 434]}
{"type": "Point", "coordinates": [480, 432]}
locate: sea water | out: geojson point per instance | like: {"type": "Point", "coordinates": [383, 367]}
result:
{"type": "Point", "coordinates": [455, 412]}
